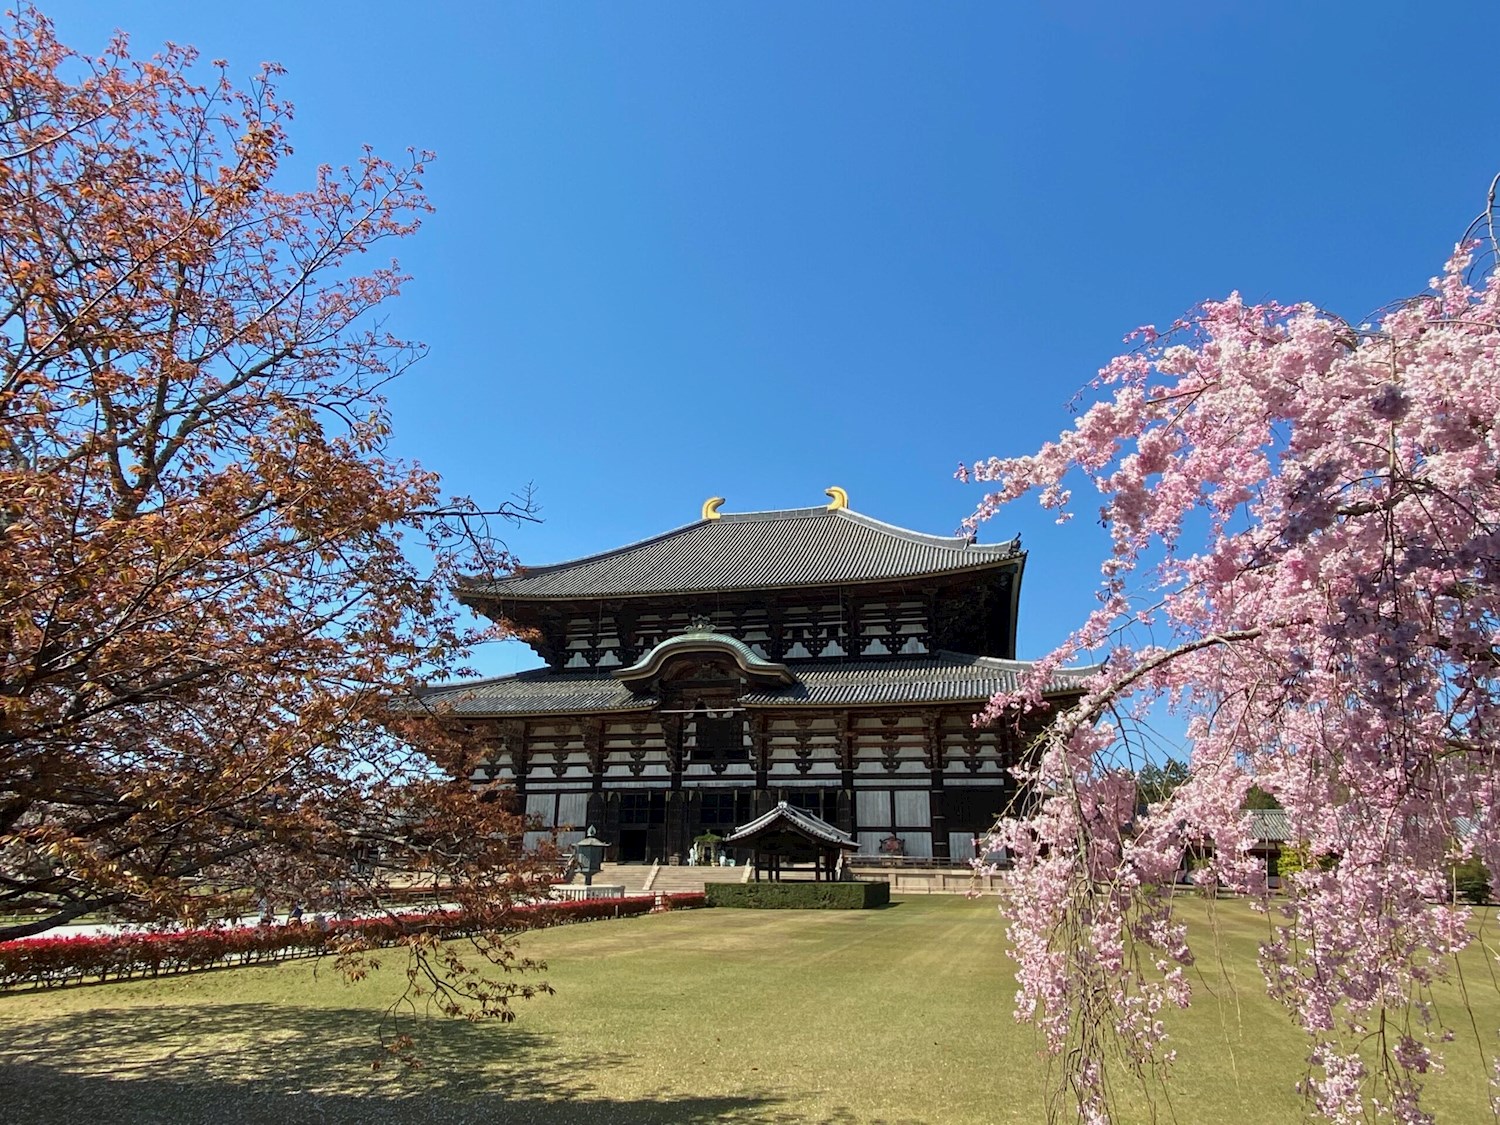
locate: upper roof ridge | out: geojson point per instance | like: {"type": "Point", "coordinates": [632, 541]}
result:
{"type": "Point", "coordinates": [800, 546]}
{"type": "Point", "coordinates": [778, 514]}
{"type": "Point", "coordinates": [824, 511]}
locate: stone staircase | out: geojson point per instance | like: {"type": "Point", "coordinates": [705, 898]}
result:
{"type": "Point", "coordinates": [631, 876]}
{"type": "Point", "coordinates": [655, 878]}
{"type": "Point", "coordinates": [681, 880]}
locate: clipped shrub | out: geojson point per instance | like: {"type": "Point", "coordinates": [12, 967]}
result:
{"type": "Point", "coordinates": [583, 910]}
{"type": "Point", "coordinates": [799, 896]}
{"type": "Point", "coordinates": [686, 900]}
{"type": "Point", "coordinates": [1296, 858]}
{"type": "Point", "coordinates": [1471, 882]}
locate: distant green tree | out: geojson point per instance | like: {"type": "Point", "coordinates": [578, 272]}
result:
{"type": "Point", "coordinates": [1300, 857]}
{"type": "Point", "coordinates": [1258, 798]}
{"type": "Point", "coordinates": [1294, 858]}
{"type": "Point", "coordinates": [1155, 783]}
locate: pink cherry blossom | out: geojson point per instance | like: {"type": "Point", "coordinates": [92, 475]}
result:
{"type": "Point", "coordinates": [1304, 523]}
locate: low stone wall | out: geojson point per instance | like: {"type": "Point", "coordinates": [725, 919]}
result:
{"type": "Point", "coordinates": [929, 880]}
{"type": "Point", "coordinates": [572, 892]}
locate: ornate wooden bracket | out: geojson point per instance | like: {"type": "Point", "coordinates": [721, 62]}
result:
{"type": "Point", "coordinates": [890, 742]}
{"type": "Point", "coordinates": [845, 742]}
{"type": "Point", "coordinates": [932, 740]}
{"type": "Point", "coordinates": [593, 744]}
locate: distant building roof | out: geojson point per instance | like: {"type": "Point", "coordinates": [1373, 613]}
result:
{"type": "Point", "coordinates": [751, 550]}
{"type": "Point", "coordinates": [1271, 825]}
{"type": "Point", "coordinates": [940, 677]}
{"type": "Point", "coordinates": [1274, 826]}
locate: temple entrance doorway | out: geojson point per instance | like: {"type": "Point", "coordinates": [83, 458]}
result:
{"type": "Point", "coordinates": [642, 832]}
{"type": "Point", "coordinates": [633, 843]}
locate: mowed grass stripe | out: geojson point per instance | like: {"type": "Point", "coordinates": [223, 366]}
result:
{"type": "Point", "coordinates": [896, 1015]}
{"type": "Point", "coordinates": [844, 1006]}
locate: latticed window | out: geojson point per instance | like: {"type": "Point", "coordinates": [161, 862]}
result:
{"type": "Point", "coordinates": [641, 808]}
{"type": "Point", "coordinates": [820, 802]}
{"type": "Point", "coordinates": [718, 810]}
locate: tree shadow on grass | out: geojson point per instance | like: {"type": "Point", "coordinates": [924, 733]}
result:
{"type": "Point", "coordinates": [288, 1065]}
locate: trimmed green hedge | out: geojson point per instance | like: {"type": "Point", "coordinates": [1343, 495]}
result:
{"type": "Point", "coordinates": [799, 896]}
{"type": "Point", "coordinates": [1471, 881]}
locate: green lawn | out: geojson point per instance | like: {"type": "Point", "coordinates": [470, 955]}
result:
{"type": "Point", "coordinates": [889, 1015]}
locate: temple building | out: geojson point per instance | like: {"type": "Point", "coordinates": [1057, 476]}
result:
{"type": "Point", "coordinates": [696, 679]}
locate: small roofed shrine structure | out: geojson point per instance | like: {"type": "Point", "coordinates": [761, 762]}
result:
{"type": "Point", "coordinates": [794, 836]}
{"type": "Point", "coordinates": [698, 678]}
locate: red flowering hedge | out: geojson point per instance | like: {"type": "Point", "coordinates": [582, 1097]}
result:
{"type": "Point", "coordinates": [684, 901]}
{"type": "Point", "coordinates": [48, 962]}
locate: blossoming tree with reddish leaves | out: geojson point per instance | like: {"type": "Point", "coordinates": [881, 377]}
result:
{"type": "Point", "coordinates": [1305, 525]}
{"type": "Point", "coordinates": [205, 597]}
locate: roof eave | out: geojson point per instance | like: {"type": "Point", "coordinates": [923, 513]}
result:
{"type": "Point", "coordinates": [1016, 560]}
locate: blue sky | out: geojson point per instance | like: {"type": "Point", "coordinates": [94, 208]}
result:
{"type": "Point", "coordinates": [685, 250]}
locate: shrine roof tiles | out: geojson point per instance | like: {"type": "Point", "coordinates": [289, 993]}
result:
{"type": "Point", "coordinates": [1271, 825]}
{"type": "Point", "coordinates": [538, 691]}
{"type": "Point", "coordinates": [751, 550]}
{"type": "Point", "coordinates": [800, 820]}
{"type": "Point", "coordinates": [943, 677]}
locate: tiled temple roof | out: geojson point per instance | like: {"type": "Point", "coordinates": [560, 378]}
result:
{"type": "Point", "coordinates": [940, 677]}
{"type": "Point", "coordinates": [751, 550]}
{"type": "Point", "coordinates": [798, 819]}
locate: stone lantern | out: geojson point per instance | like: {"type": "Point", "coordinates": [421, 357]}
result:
{"type": "Point", "coordinates": [590, 853]}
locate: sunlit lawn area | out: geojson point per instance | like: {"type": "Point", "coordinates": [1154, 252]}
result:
{"type": "Point", "coordinates": [891, 1015]}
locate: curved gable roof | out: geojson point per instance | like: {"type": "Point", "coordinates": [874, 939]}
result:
{"type": "Point", "coordinates": [799, 821]}
{"type": "Point", "coordinates": [641, 675]}
{"type": "Point", "coordinates": [752, 550]}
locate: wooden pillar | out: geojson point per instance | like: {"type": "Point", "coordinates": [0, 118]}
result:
{"type": "Point", "coordinates": [609, 829]}
{"type": "Point", "coordinates": [672, 734]}
{"type": "Point", "coordinates": [675, 827]}
{"type": "Point", "coordinates": [845, 751]}
{"type": "Point", "coordinates": [939, 817]}
{"type": "Point", "coordinates": [854, 627]}
{"type": "Point", "coordinates": [760, 759]}
{"type": "Point", "coordinates": [843, 818]}
{"type": "Point", "coordinates": [936, 761]}
{"type": "Point", "coordinates": [760, 748]}
{"type": "Point", "coordinates": [625, 629]}
{"type": "Point", "coordinates": [596, 811]}
{"type": "Point", "coordinates": [594, 747]}
{"type": "Point", "coordinates": [513, 735]}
